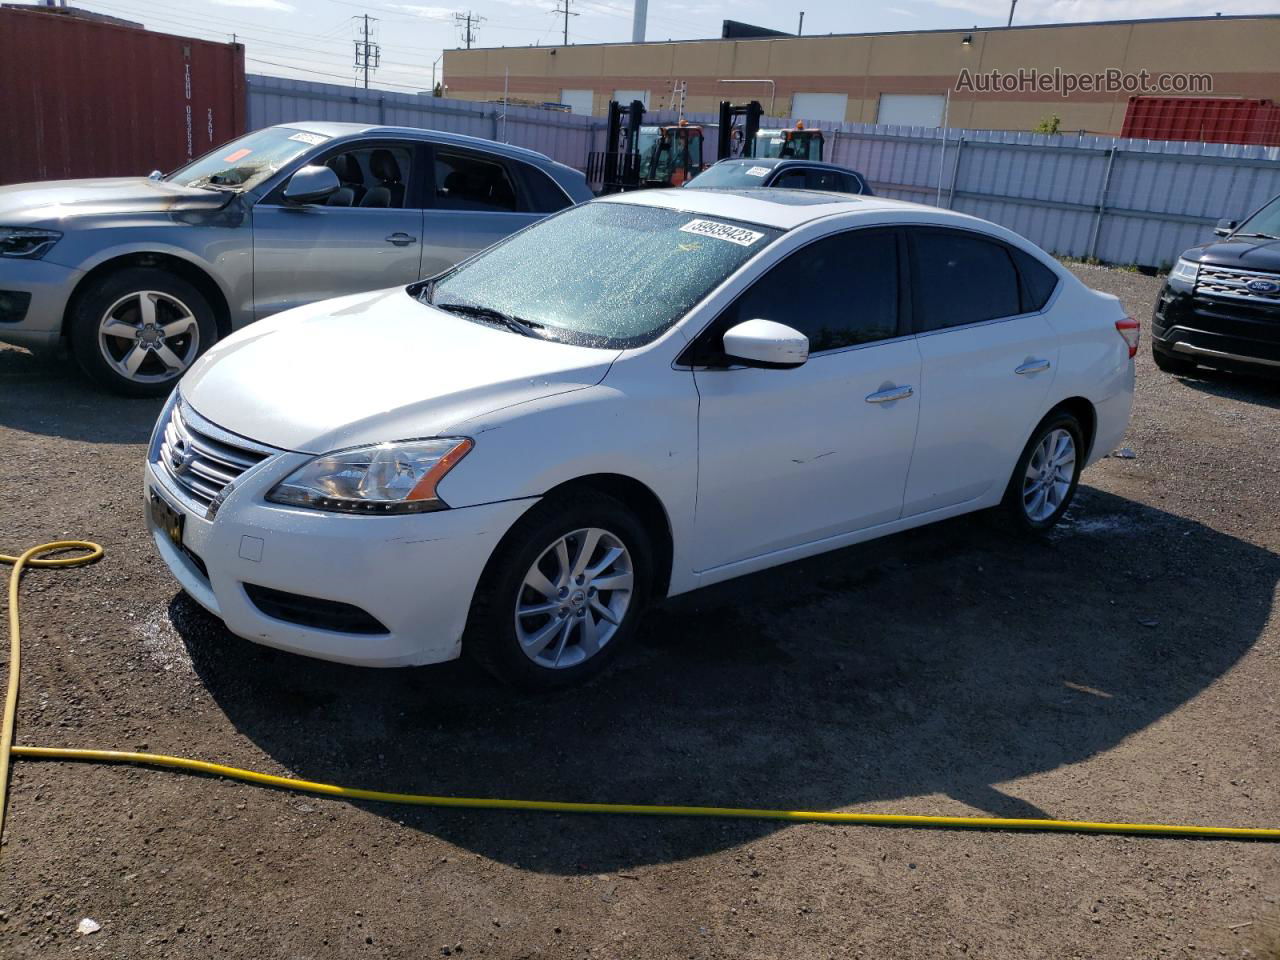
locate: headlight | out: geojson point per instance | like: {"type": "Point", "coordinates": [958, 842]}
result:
{"type": "Point", "coordinates": [26, 242]}
{"type": "Point", "coordinates": [1185, 270]}
{"type": "Point", "coordinates": [389, 478]}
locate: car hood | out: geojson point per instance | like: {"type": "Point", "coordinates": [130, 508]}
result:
{"type": "Point", "coordinates": [1246, 253]}
{"type": "Point", "coordinates": [57, 200]}
{"type": "Point", "coordinates": [375, 367]}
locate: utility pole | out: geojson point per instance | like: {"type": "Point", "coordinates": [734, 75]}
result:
{"type": "Point", "coordinates": [800, 29]}
{"type": "Point", "coordinates": [368, 53]}
{"type": "Point", "coordinates": [465, 20]}
{"type": "Point", "coordinates": [1012, 6]}
{"type": "Point", "coordinates": [565, 10]}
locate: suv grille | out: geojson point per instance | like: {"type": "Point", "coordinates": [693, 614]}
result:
{"type": "Point", "coordinates": [1226, 282]}
{"type": "Point", "coordinates": [202, 459]}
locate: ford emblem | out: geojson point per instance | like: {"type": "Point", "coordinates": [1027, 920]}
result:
{"type": "Point", "coordinates": [1263, 286]}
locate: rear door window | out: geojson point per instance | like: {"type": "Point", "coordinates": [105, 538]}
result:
{"type": "Point", "coordinates": [960, 278]}
{"type": "Point", "coordinates": [470, 181]}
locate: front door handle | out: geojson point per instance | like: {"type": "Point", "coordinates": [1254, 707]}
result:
{"type": "Point", "coordinates": [1032, 366]}
{"type": "Point", "coordinates": [401, 239]}
{"type": "Point", "coordinates": [889, 394]}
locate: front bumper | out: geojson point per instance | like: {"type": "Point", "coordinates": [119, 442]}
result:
{"type": "Point", "coordinates": [38, 325]}
{"type": "Point", "coordinates": [1217, 332]}
{"type": "Point", "coordinates": [414, 574]}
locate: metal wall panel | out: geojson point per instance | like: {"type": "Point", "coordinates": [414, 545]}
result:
{"type": "Point", "coordinates": [85, 99]}
{"type": "Point", "coordinates": [1119, 200]}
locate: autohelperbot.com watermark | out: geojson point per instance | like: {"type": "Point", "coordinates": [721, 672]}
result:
{"type": "Point", "coordinates": [1065, 82]}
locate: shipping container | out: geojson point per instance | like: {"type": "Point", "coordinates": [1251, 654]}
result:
{"type": "Point", "coordinates": [80, 98]}
{"type": "Point", "coordinates": [1204, 120]}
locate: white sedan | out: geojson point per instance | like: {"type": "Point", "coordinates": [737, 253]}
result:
{"type": "Point", "coordinates": [640, 396]}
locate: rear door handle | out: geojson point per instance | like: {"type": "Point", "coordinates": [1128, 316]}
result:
{"type": "Point", "coordinates": [1032, 366]}
{"type": "Point", "coordinates": [889, 394]}
{"type": "Point", "coordinates": [401, 239]}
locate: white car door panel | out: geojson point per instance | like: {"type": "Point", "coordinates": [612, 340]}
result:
{"type": "Point", "coordinates": [987, 367]}
{"type": "Point", "coordinates": [787, 457]}
{"type": "Point", "coordinates": [791, 456]}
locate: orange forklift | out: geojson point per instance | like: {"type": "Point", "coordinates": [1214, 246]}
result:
{"type": "Point", "coordinates": [639, 156]}
{"type": "Point", "coordinates": [741, 136]}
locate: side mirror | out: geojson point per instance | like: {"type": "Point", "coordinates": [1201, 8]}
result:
{"type": "Point", "coordinates": [155, 175]}
{"type": "Point", "coordinates": [311, 184]}
{"type": "Point", "coordinates": [1225, 227]}
{"type": "Point", "coordinates": [763, 343]}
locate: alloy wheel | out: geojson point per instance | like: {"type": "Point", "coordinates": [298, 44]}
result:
{"type": "Point", "coordinates": [149, 336]}
{"type": "Point", "coordinates": [574, 598]}
{"type": "Point", "coordinates": [1049, 474]}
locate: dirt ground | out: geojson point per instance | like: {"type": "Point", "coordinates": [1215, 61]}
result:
{"type": "Point", "coordinates": [1126, 668]}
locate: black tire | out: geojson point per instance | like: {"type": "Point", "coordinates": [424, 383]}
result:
{"type": "Point", "coordinates": [1171, 364]}
{"type": "Point", "coordinates": [491, 638]}
{"type": "Point", "coordinates": [88, 313]}
{"type": "Point", "coordinates": [1015, 503]}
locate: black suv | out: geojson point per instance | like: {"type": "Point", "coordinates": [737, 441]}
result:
{"type": "Point", "coordinates": [1220, 306]}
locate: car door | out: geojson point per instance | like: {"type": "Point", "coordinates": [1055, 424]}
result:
{"type": "Point", "coordinates": [476, 199]}
{"type": "Point", "coordinates": [364, 237]}
{"type": "Point", "coordinates": [989, 359]}
{"type": "Point", "coordinates": [787, 457]}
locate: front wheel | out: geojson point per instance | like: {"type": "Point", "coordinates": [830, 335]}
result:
{"type": "Point", "coordinates": [562, 593]}
{"type": "Point", "coordinates": [137, 331]}
{"type": "Point", "coordinates": [1045, 479]}
{"type": "Point", "coordinates": [1178, 366]}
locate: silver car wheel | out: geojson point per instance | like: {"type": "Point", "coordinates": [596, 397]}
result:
{"type": "Point", "coordinates": [574, 598]}
{"type": "Point", "coordinates": [148, 336]}
{"type": "Point", "coordinates": [1049, 474]}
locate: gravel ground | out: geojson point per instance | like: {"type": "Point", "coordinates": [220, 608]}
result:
{"type": "Point", "coordinates": [1125, 668]}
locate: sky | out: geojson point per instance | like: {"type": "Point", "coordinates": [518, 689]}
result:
{"type": "Point", "coordinates": [314, 39]}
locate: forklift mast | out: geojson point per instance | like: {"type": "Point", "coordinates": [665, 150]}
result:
{"type": "Point", "coordinates": [745, 134]}
{"type": "Point", "coordinates": [622, 144]}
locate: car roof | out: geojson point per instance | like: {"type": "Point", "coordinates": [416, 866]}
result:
{"type": "Point", "coordinates": [335, 129]}
{"type": "Point", "coordinates": [782, 209]}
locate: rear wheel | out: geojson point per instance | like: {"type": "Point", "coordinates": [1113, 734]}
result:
{"type": "Point", "coordinates": [1171, 364]}
{"type": "Point", "coordinates": [137, 331]}
{"type": "Point", "coordinates": [1045, 479]}
{"type": "Point", "coordinates": [562, 593]}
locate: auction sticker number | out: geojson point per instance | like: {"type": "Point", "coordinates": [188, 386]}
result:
{"type": "Point", "coordinates": [722, 231]}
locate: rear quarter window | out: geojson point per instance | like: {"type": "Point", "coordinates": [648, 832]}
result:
{"type": "Point", "coordinates": [543, 194]}
{"type": "Point", "coordinates": [1038, 281]}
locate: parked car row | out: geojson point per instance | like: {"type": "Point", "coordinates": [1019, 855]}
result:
{"type": "Point", "coordinates": [587, 405]}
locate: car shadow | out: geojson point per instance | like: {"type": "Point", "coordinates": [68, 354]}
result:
{"type": "Point", "coordinates": [48, 395]}
{"type": "Point", "coordinates": [943, 661]}
{"type": "Point", "coordinates": [1247, 388]}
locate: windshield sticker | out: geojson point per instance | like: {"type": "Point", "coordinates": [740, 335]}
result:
{"type": "Point", "coordinates": [722, 231]}
{"type": "Point", "coordinates": [238, 155]}
{"type": "Point", "coordinates": [757, 171]}
{"type": "Point", "coordinates": [776, 140]}
{"type": "Point", "coordinates": [312, 138]}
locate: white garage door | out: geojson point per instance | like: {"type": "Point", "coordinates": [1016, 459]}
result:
{"type": "Point", "coordinates": [812, 107]}
{"type": "Point", "coordinates": [579, 101]}
{"type": "Point", "coordinates": [626, 96]}
{"type": "Point", "coordinates": [911, 109]}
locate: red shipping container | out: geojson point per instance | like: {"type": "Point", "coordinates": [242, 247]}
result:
{"type": "Point", "coordinates": [79, 98]}
{"type": "Point", "coordinates": [1204, 119]}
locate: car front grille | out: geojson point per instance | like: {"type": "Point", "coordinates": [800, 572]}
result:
{"type": "Point", "coordinates": [1235, 284]}
{"type": "Point", "coordinates": [202, 459]}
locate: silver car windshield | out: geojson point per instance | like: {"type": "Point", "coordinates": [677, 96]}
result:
{"type": "Point", "coordinates": [603, 274]}
{"type": "Point", "coordinates": [247, 162]}
{"type": "Point", "coordinates": [731, 175]}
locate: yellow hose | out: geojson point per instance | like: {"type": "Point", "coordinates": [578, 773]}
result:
{"type": "Point", "coordinates": [29, 559]}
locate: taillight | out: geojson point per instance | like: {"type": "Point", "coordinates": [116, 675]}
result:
{"type": "Point", "coordinates": [1131, 330]}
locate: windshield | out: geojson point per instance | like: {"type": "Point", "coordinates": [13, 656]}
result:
{"type": "Point", "coordinates": [790, 144]}
{"type": "Point", "coordinates": [604, 274]}
{"type": "Point", "coordinates": [731, 174]}
{"type": "Point", "coordinates": [1265, 222]}
{"type": "Point", "coordinates": [247, 162]}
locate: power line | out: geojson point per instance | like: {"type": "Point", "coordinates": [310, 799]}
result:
{"type": "Point", "coordinates": [565, 10]}
{"type": "Point", "coordinates": [367, 53]}
{"type": "Point", "coordinates": [466, 20]}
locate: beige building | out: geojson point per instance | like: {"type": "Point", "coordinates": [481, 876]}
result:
{"type": "Point", "coordinates": [971, 76]}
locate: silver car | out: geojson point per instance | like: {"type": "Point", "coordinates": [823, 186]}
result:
{"type": "Point", "coordinates": [140, 275]}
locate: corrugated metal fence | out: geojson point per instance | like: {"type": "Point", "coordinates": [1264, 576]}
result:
{"type": "Point", "coordinates": [1121, 201]}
